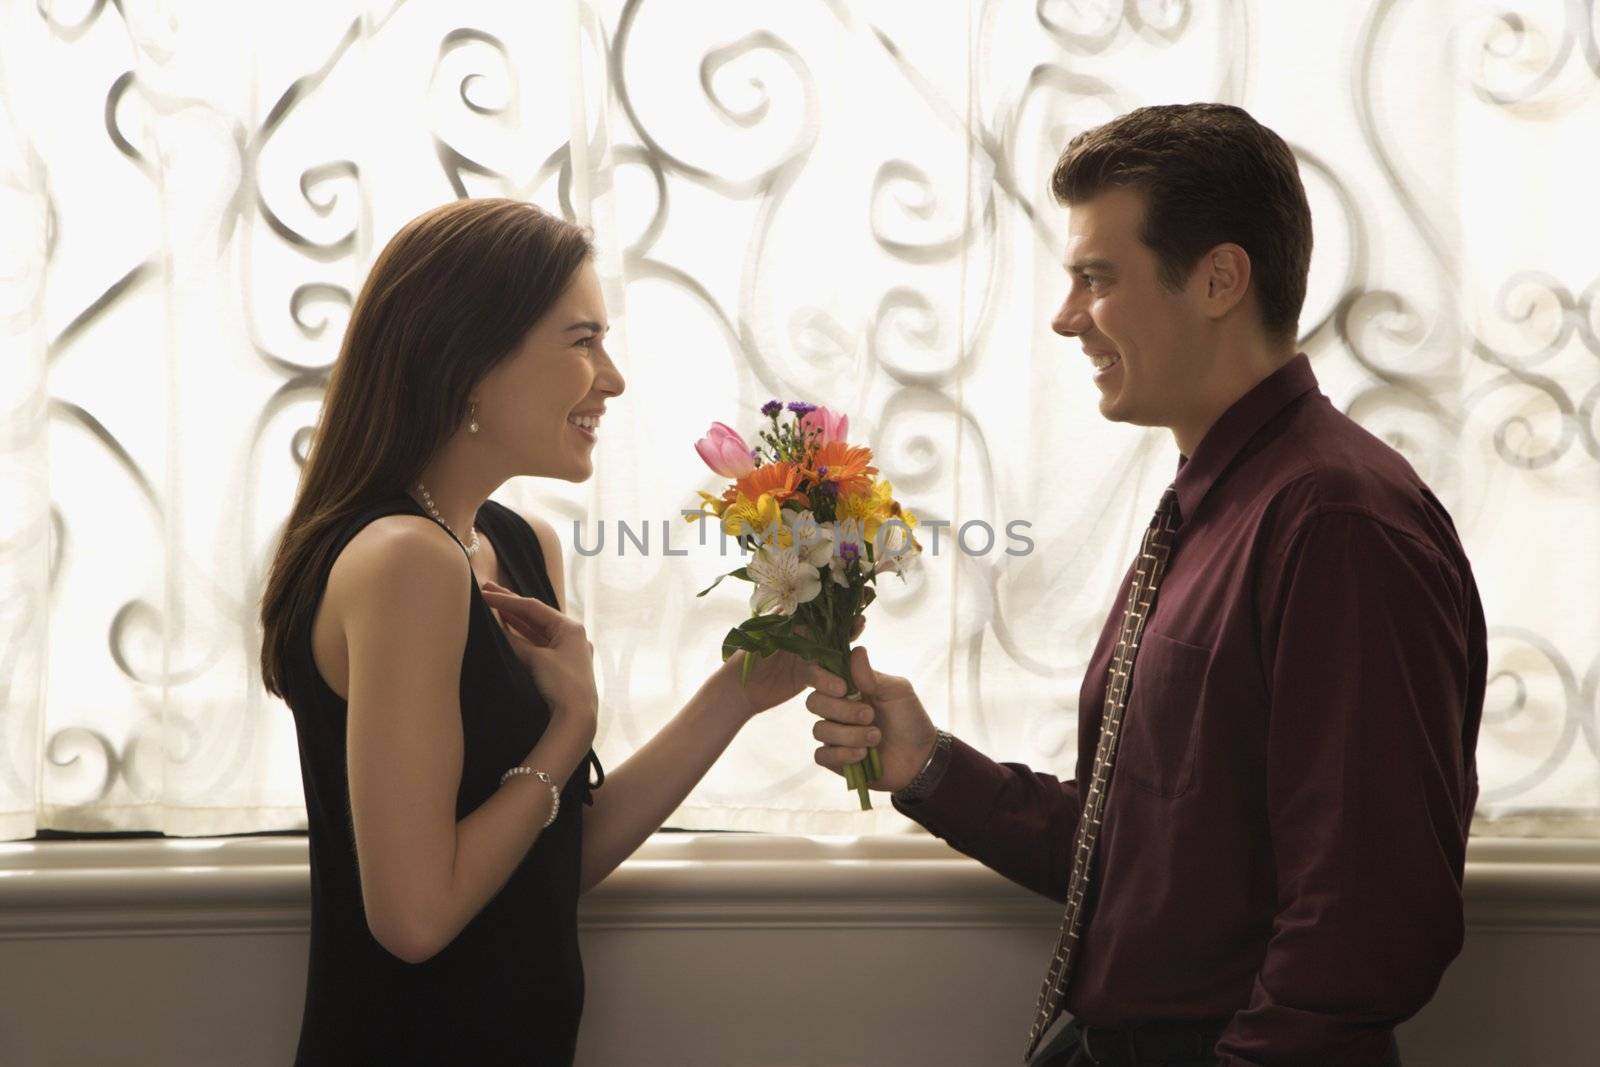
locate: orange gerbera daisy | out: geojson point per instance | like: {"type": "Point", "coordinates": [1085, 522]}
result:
{"type": "Point", "coordinates": [778, 479]}
{"type": "Point", "coordinates": [848, 466]}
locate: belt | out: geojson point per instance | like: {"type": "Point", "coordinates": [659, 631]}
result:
{"type": "Point", "coordinates": [1150, 1044]}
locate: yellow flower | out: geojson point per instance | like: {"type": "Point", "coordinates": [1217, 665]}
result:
{"type": "Point", "coordinates": [709, 505]}
{"type": "Point", "coordinates": [873, 508]}
{"type": "Point", "coordinates": [743, 516]}
{"type": "Point", "coordinates": [874, 503]}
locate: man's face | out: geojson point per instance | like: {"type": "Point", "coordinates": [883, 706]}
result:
{"type": "Point", "coordinates": [1138, 334]}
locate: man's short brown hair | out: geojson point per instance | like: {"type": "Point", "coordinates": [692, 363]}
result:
{"type": "Point", "coordinates": [1210, 174]}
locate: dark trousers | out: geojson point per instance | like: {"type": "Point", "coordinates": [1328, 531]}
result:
{"type": "Point", "coordinates": [1152, 1045]}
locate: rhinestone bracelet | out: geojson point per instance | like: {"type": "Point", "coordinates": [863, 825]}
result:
{"type": "Point", "coordinates": [555, 793]}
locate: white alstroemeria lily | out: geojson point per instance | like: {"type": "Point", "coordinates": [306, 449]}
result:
{"type": "Point", "coordinates": [813, 540]}
{"type": "Point", "coordinates": [783, 580]}
{"type": "Point", "coordinates": [894, 549]}
{"type": "Point", "coordinates": [849, 542]}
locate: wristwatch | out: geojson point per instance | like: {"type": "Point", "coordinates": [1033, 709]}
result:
{"type": "Point", "coordinates": [932, 772]}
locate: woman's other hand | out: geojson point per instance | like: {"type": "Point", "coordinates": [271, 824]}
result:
{"type": "Point", "coordinates": [556, 651]}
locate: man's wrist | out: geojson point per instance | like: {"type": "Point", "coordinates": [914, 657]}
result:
{"type": "Point", "coordinates": [927, 780]}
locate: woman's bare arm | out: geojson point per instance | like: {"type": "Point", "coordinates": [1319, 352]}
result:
{"type": "Point", "coordinates": [405, 588]}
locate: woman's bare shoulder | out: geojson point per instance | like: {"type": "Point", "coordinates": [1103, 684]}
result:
{"type": "Point", "coordinates": [396, 550]}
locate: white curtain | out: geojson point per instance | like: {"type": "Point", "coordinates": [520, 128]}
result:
{"type": "Point", "coordinates": [838, 202]}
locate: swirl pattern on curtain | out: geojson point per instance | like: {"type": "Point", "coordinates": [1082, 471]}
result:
{"type": "Point", "coordinates": [842, 203]}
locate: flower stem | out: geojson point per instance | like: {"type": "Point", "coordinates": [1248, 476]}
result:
{"type": "Point", "coordinates": [858, 775]}
{"type": "Point", "coordinates": [861, 771]}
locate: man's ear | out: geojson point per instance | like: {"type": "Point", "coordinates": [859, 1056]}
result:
{"type": "Point", "coordinates": [1224, 277]}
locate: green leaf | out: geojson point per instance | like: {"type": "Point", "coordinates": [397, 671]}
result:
{"type": "Point", "coordinates": [739, 639]}
{"type": "Point", "coordinates": [830, 658]}
{"type": "Point", "coordinates": [803, 646]}
{"type": "Point", "coordinates": [756, 624]}
{"type": "Point", "coordinates": [742, 572]}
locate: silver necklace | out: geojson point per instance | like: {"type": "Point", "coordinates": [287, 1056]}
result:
{"type": "Point", "coordinates": [427, 502]}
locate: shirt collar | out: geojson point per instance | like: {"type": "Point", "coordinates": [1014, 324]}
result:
{"type": "Point", "coordinates": [1229, 434]}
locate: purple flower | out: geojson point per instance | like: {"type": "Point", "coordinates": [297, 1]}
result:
{"type": "Point", "coordinates": [822, 471]}
{"type": "Point", "coordinates": [800, 407]}
{"type": "Point", "coordinates": [771, 408]}
{"type": "Point", "coordinates": [849, 552]}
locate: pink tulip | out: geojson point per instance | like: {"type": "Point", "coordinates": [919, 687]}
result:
{"type": "Point", "coordinates": [725, 451]}
{"type": "Point", "coordinates": [832, 426]}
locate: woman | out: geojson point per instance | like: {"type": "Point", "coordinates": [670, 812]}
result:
{"type": "Point", "coordinates": [445, 746]}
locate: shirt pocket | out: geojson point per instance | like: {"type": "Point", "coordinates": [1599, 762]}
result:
{"type": "Point", "coordinates": [1161, 726]}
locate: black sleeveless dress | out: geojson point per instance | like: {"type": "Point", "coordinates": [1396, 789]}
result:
{"type": "Point", "coordinates": [509, 988]}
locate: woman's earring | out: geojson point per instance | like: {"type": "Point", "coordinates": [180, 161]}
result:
{"type": "Point", "coordinates": [472, 417]}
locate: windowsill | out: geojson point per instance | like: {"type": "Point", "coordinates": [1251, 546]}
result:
{"type": "Point", "coordinates": [171, 886]}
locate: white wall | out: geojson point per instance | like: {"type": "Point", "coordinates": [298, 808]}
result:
{"type": "Point", "coordinates": [706, 951]}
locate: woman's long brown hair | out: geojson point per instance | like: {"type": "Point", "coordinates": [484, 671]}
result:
{"type": "Point", "coordinates": [451, 295]}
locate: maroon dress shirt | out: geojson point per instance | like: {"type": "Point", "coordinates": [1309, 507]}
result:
{"type": "Point", "coordinates": [1284, 837]}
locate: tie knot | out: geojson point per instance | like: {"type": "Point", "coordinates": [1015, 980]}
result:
{"type": "Point", "coordinates": [1166, 515]}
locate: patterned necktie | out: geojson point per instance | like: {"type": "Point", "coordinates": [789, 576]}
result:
{"type": "Point", "coordinates": [1152, 564]}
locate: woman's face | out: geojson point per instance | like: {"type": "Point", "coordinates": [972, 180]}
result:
{"type": "Point", "coordinates": [531, 405]}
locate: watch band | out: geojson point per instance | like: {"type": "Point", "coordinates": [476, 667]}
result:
{"type": "Point", "coordinates": [927, 779]}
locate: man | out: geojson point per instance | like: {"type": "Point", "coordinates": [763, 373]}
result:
{"type": "Point", "coordinates": [1270, 873]}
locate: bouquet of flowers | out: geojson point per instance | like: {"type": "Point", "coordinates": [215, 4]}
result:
{"type": "Point", "coordinates": [822, 527]}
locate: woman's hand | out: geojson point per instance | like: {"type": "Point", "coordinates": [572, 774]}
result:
{"type": "Point", "coordinates": [775, 678]}
{"type": "Point", "coordinates": [555, 650]}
